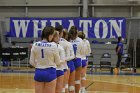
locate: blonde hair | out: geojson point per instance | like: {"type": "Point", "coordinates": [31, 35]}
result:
{"type": "Point", "coordinates": [56, 33]}
{"type": "Point", "coordinates": [65, 34]}
{"type": "Point", "coordinates": [81, 34]}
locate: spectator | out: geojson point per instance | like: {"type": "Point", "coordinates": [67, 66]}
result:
{"type": "Point", "coordinates": [0, 47]}
{"type": "Point", "coordinates": [119, 52]}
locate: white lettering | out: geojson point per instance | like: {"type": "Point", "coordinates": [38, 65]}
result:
{"type": "Point", "coordinates": [21, 25]}
{"type": "Point", "coordinates": [71, 24]}
{"type": "Point", "coordinates": [105, 29]}
{"type": "Point", "coordinates": [36, 28]}
{"type": "Point", "coordinates": [86, 25]}
{"type": "Point", "coordinates": [53, 22]}
{"type": "Point", "coordinates": [117, 28]}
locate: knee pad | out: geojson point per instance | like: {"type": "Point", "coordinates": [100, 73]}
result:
{"type": "Point", "coordinates": [84, 75]}
{"type": "Point", "coordinates": [83, 78]}
{"type": "Point", "coordinates": [66, 86]}
{"type": "Point", "coordinates": [71, 88]}
{"type": "Point", "coordinates": [63, 90]}
{"type": "Point", "coordinates": [77, 82]}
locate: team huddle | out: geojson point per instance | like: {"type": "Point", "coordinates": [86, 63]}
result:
{"type": "Point", "coordinates": [60, 59]}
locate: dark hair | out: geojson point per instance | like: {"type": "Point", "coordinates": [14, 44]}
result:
{"type": "Point", "coordinates": [119, 39]}
{"type": "Point", "coordinates": [74, 33]}
{"type": "Point", "coordinates": [59, 28]}
{"type": "Point", "coordinates": [65, 34]}
{"type": "Point", "coordinates": [49, 30]}
{"type": "Point", "coordinates": [73, 27]}
{"type": "Point", "coordinates": [81, 34]}
{"type": "Point", "coordinates": [69, 36]}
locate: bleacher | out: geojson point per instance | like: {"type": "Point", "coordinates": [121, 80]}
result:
{"type": "Point", "coordinates": [101, 46]}
{"type": "Point", "coordinates": [98, 47]}
{"type": "Point", "coordinates": [22, 42]}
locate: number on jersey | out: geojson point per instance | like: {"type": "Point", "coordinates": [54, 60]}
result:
{"type": "Point", "coordinates": [42, 52]}
{"type": "Point", "coordinates": [75, 48]}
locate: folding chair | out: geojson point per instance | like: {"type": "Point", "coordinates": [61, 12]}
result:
{"type": "Point", "coordinates": [126, 61]}
{"type": "Point", "coordinates": [6, 56]}
{"type": "Point", "coordinates": [105, 62]}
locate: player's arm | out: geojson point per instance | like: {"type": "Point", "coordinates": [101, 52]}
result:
{"type": "Point", "coordinates": [67, 56]}
{"type": "Point", "coordinates": [71, 52]}
{"type": "Point", "coordinates": [56, 56]}
{"type": "Point", "coordinates": [89, 48]}
{"type": "Point", "coordinates": [32, 57]}
{"type": "Point", "coordinates": [79, 49]}
{"type": "Point", "coordinates": [62, 56]}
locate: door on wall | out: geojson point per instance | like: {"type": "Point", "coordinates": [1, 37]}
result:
{"type": "Point", "coordinates": [138, 53]}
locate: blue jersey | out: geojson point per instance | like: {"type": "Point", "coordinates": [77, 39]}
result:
{"type": "Point", "coordinates": [120, 44]}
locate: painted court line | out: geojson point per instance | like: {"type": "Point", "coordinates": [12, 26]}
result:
{"type": "Point", "coordinates": [104, 92]}
{"type": "Point", "coordinates": [89, 85]}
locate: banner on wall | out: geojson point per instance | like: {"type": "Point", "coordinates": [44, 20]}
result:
{"type": "Point", "coordinates": [92, 27]}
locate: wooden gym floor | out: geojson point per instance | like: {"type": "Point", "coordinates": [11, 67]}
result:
{"type": "Point", "coordinates": [99, 83]}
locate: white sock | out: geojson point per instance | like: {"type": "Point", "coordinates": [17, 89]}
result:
{"type": "Point", "coordinates": [83, 88]}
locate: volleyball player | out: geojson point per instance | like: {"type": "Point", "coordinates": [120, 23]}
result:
{"type": "Point", "coordinates": [66, 47]}
{"type": "Point", "coordinates": [45, 58]}
{"type": "Point", "coordinates": [86, 51]}
{"type": "Point", "coordinates": [77, 46]}
{"type": "Point", "coordinates": [60, 69]}
{"type": "Point", "coordinates": [70, 63]}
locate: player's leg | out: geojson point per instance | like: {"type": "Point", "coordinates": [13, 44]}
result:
{"type": "Point", "coordinates": [50, 77]}
{"type": "Point", "coordinates": [39, 87]}
{"type": "Point", "coordinates": [65, 76]}
{"type": "Point", "coordinates": [50, 87]}
{"type": "Point", "coordinates": [77, 79]}
{"type": "Point", "coordinates": [83, 75]}
{"type": "Point", "coordinates": [39, 82]}
{"type": "Point", "coordinates": [60, 79]}
{"type": "Point", "coordinates": [72, 78]}
{"type": "Point", "coordinates": [66, 80]}
{"type": "Point", "coordinates": [78, 67]}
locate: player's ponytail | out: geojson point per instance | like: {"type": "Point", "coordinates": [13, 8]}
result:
{"type": "Point", "coordinates": [59, 28]}
{"type": "Point", "coordinates": [65, 34]}
{"type": "Point", "coordinates": [69, 36]}
{"type": "Point", "coordinates": [73, 31]}
{"type": "Point", "coordinates": [81, 34]}
{"type": "Point", "coordinates": [74, 27]}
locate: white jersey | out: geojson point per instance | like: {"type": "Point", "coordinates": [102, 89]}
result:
{"type": "Point", "coordinates": [89, 48]}
{"type": "Point", "coordinates": [72, 56]}
{"type": "Point", "coordinates": [44, 55]}
{"type": "Point", "coordinates": [86, 49]}
{"type": "Point", "coordinates": [66, 47]}
{"type": "Point", "coordinates": [62, 57]}
{"type": "Point", "coordinates": [79, 39]}
{"type": "Point", "coordinates": [77, 46]}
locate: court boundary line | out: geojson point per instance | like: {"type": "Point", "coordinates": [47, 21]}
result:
{"type": "Point", "coordinates": [115, 83]}
{"type": "Point", "coordinates": [90, 85]}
